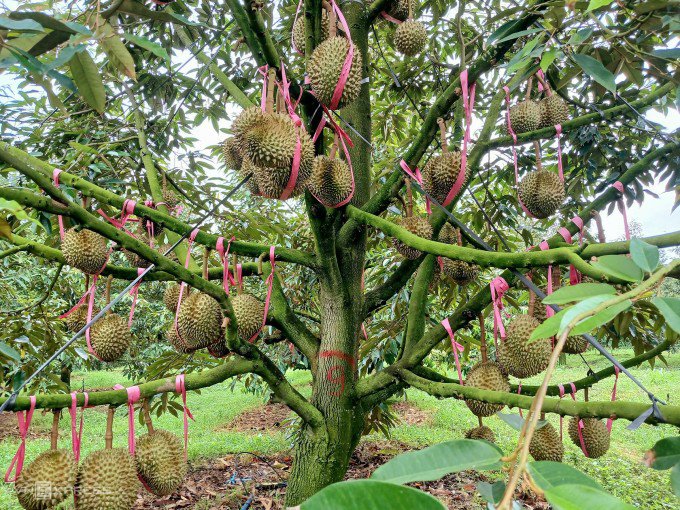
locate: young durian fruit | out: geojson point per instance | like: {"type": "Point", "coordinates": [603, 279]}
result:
{"type": "Point", "coordinates": [525, 116]}
{"type": "Point", "coordinates": [481, 432]}
{"type": "Point", "coordinates": [159, 459]}
{"type": "Point", "coordinates": [171, 295]}
{"type": "Point", "coordinates": [110, 337]}
{"type": "Point", "coordinates": [542, 193]}
{"type": "Point", "coordinates": [441, 172]}
{"type": "Point", "coordinates": [170, 198]}
{"type": "Point", "coordinates": [595, 436]}
{"type": "Point", "coordinates": [299, 27]}
{"type": "Point", "coordinates": [77, 320]}
{"type": "Point", "coordinates": [418, 226]}
{"type": "Point", "coordinates": [54, 469]}
{"type": "Point", "coordinates": [331, 181]}
{"type": "Point", "coordinates": [85, 250]}
{"type": "Point", "coordinates": [486, 375]}
{"type": "Point", "coordinates": [554, 110]}
{"type": "Point", "coordinates": [401, 8]}
{"type": "Point", "coordinates": [410, 37]}
{"type": "Point", "coordinates": [134, 259]}
{"type": "Point", "coordinates": [575, 345]}
{"type": "Point", "coordinates": [459, 271]}
{"type": "Point", "coordinates": [107, 479]}
{"type": "Point", "coordinates": [175, 341]}
{"type": "Point", "coordinates": [219, 349]}
{"type": "Point", "coordinates": [246, 120]}
{"type": "Point", "coordinates": [232, 154]}
{"type": "Point", "coordinates": [248, 310]}
{"type": "Point", "coordinates": [520, 357]}
{"type": "Point", "coordinates": [546, 444]}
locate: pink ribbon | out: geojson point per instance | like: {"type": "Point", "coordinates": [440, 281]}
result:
{"type": "Point", "coordinates": [573, 397]}
{"type": "Point", "coordinates": [224, 257]}
{"type": "Point", "coordinates": [498, 288]}
{"type": "Point", "coordinates": [580, 437]}
{"type": "Point", "coordinates": [549, 312]}
{"type": "Point", "coordinates": [543, 83]}
{"type": "Point", "coordinates": [134, 292]}
{"type": "Point", "coordinates": [180, 387]}
{"type": "Point", "coordinates": [270, 284]}
{"type": "Point", "coordinates": [455, 347]}
{"type": "Point", "coordinates": [347, 65]}
{"type": "Point", "coordinates": [17, 462]}
{"type": "Point", "coordinates": [574, 276]}
{"type": "Point", "coordinates": [126, 211]}
{"type": "Point", "coordinates": [60, 219]}
{"type": "Point", "coordinates": [391, 19]}
{"type": "Point", "coordinates": [616, 381]}
{"type": "Point", "coordinates": [190, 241]}
{"type": "Point", "coordinates": [77, 432]}
{"type": "Point", "coordinates": [621, 204]}
{"type": "Point", "coordinates": [133, 394]}
{"type": "Point", "coordinates": [417, 176]}
{"type": "Point", "coordinates": [560, 168]}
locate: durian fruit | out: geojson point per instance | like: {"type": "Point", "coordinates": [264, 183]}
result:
{"type": "Point", "coordinates": [134, 259]}
{"type": "Point", "coordinates": [159, 458]}
{"type": "Point", "coordinates": [400, 9]}
{"type": "Point", "coordinates": [575, 345]}
{"type": "Point", "coordinates": [47, 481]}
{"type": "Point", "coordinates": [107, 479]}
{"type": "Point", "coordinates": [175, 341]}
{"type": "Point", "coordinates": [232, 154]}
{"type": "Point", "coordinates": [249, 312]}
{"type": "Point", "coordinates": [554, 110]}
{"type": "Point", "coordinates": [331, 180]}
{"type": "Point", "coordinates": [85, 250]}
{"type": "Point", "coordinates": [247, 167]}
{"type": "Point", "coordinates": [418, 226]}
{"type": "Point", "coordinates": [486, 375]}
{"type": "Point", "coordinates": [299, 36]}
{"type": "Point", "coordinates": [460, 271]}
{"type": "Point", "coordinates": [410, 37]}
{"type": "Point", "coordinates": [171, 296]}
{"type": "Point", "coordinates": [517, 355]}
{"type": "Point", "coordinates": [325, 66]}
{"type": "Point", "coordinates": [541, 192]}
{"type": "Point", "coordinates": [78, 318]}
{"type": "Point", "coordinates": [481, 432]}
{"type": "Point", "coordinates": [595, 436]}
{"type": "Point", "coordinates": [170, 198]}
{"type": "Point", "coordinates": [546, 444]}
{"type": "Point", "coordinates": [246, 120]}
{"type": "Point", "coordinates": [219, 349]}
{"type": "Point", "coordinates": [525, 116]}
{"type": "Point", "coordinates": [448, 234]}
{"type": "Point", "coordinates": [110, 337]}
{"type": "Point", "coordinates": [199, 322]}
{"type": "Point", "coordinates": [440, 174]}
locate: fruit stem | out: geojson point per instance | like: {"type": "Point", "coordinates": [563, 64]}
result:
{"type": "Point", "coordinates": [530, 83]}
{"type": "Point", "coordinates": [334, 147]}
{"type": "Point", "coordinates": [532, 303]}
{"type": "Point", "coordinates": [600, 229]}
{"type": "Point", "coordinates": [55, 429]}
{"type": "Point", "coordinates": [108, 291]}
{"type": "Point", "coordinates": [332, 19]}
{"type": "Point", "coordinates": [479, 420]}
{"type": "Point", "coordinates": [442, 131]}
{"type": "Point", "coordinates": [482, 338]}
{"type": "Point", "coordinates": [147, 416]}
{"type": "Point", "coordinates": [409, 198]}
{"type": "Point", "coordinates": [459, 237]}
{"type": "Point", "coordinates": [108, 437]}
{"type": "Point", "coordinates": [537, 149]}
{"type": "Point", "coordinates": [206, 256]}
{"type": "Point", "coordinates": [239, 283]}
{"type": "Point", "coordinates": [271, 87]}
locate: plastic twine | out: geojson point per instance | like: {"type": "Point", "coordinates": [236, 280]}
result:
{"type": "Point", "coordinates": [77, 432]}
{"type": "Point", "coordinates": [17, 463]}
{"type": "Point", "coordinates": [270, 285]}
{"type": "Point", "coordinates": [621, 204]}
{"type": "Point", "coordinates": [134, 292]}
{"type": "Point", "coordinates": [573, 397]}
{"type": "Point", "coordinates": [134, 394]}
{"type": "Point", "coordinates": [347, 65]}
{"type": "Point", "coordinates": [575, 276]}
{"type": "Point", "coordinates": [498, 288]}
{"type": "Point", "coordinates": [455, 347]}
{"type": "Point", "coordinates": [227, 278]}
{"type": "Point", "coordinates": [180, 387]}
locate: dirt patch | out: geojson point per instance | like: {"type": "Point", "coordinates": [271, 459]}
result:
{"type": "Point", "coordinates": [263, 418]}
{"type": "Point", "coordinates": [9, 428]}
{"type": "Point", "coordinates": [410, 414]}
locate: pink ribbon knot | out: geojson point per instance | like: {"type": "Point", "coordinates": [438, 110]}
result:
{"type": "Point", "coordinates": [24, 418]}
{"type": "Point", "coordinates": [455, 347]}
{"type": "Point", "coordinates": [180, 387]}
{"type": "Point", "coordinates": [133, 396]}
{"type": "Point", "coordinates": [498, 288]}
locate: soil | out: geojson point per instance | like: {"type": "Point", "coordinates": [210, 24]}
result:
{"type": "Point", "coordinates": [9, 428]}
{"type": "Point", "coordinates": [267, 417]}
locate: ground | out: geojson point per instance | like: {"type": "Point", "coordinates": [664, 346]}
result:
{"type": "Point", "coordinates": [228, 423]}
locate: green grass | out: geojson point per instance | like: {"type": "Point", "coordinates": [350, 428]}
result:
{"type": "Point", "coordinates": [620, 471]}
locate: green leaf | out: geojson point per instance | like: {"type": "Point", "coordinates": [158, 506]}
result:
{"type": "Point", "coordinates": [645, 255]}
{"type": "Point", "coordinates": [9, 352]}
{"type": "Point", "coordinates": [669, 53]}
{"type": "Point", "coordinates": [88, 80]}
{"type": "Point", "coordinates": [579, 497]}
{"type": "Point", "coordinates": [596, 71]}
{"type": "Point", "coordinates": [664, 454]}
{"type": "Point", "coordinates": [370, 495]}
{"type": "Point", "coordinates": [578, 292]}
{"type": "Point", "coordinates": [547, 475]}
{"type": "Point", "coordinates": [146, 44]}
{"type": "Point", "coordinates": [675, 479]}
{"type": "Point", "coordinates": [580, 35]}
{"type": "Point", "coordinates": [185, 20]}
{"type": "Point", "coordinates": [118, 54]}
{"type": "Point", "coordinates": [619, 266]}
{"type": "Point", "coordinates": [500, 32]}
{"type": "Point", "coordinates": [491, 493]}
{"type": "Point", "coordinates": [20, 25]}
{"type": "Point", "coordinates": [601, 318]}
{"type": "Point", "coordinates": [436, 461]}
{"type": "Point", "coordinates": [548, 58]}
{"type": "Point", "coordinates": [580, 308]}
{"type": "Point", "coordinates": [596, 4]}
{"type": "Point", "coordinates": [670, 309]}
{"type": "Point", "coordinates": [548, 328]}
{"type": "Point", "coordinates": [517, 422]}
{"type": "Point", "coordinates": [519, 34]}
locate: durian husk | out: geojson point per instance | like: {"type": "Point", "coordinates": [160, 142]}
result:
{"type": "Point", "coordinates": [546, 444]}
{"type": "Point", "coordinates": [232, 154]}
{"type": "Point", "coordinates": [410, 37]}
{"type": "Point", "coordinates": [520, 357]}
{"type": "Point", "coordinates": [134, 259]}
{"type": "Point", "coordinates": [85, 250]}
{"type": "Point", "coordinates": [481, 432]}
{"type": "Point", "coordinates": [542, 193]}
{"type": "Point", "coordinates": [486, 375]}
{"type": "Point", "coordinates": [110, 337]}
{"type": "Point", "coordinates": [595, 436]}
{"type": "Point", "coordinates": [199, 321]}
{"type": "Point", "coordinates": [77, 320]}
{"type": "Point", "coordinates": [418, 226]}
{"type": "Point", "coordinates": [448, 234]}
{"type": "Point", "coordinates": [324, 69]}
{"type": "Point", "coordinates": [331, 180]}
{"type": "Point", "coordinates": [47, 481]}
{"type": "Point", "coordinates": [400, 9]}
{"type": "Point", "coordinates": [107, 479]}
{"type": "Point", "coordinates": [170, 197]}
{"type": "Point", "coordinates": [249, 312]}
{"type": "Point", "coordinates": [575, 345]}
{"type": "Point", "coordinates": [246, 120]}
{"type": "Point", "coordinates": [299, 26]}
{"type": "Point", "coordinates": [554, 110]}
{"type": "Point", "coordinates": [175, 341]}
{"type": "Point", "coordinates": [171, 296]}
{"type": "Point", "coordinates": [525, 116]}
{"type": "Point", "coordinates": [160, 462]}
{"type": "Point", "coordinates": [460, 272]}
{"type": "Point", "coordinates": [440, 175]}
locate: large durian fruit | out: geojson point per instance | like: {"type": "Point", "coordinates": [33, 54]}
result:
{"type": "Point", "coordinates": [459, 271]}
{"type": "Point", "coordinates": [160, 462]}
{"type": "Point", "coordinates": [299, 27]}
{"type": "Point", "coordinates": [525, 116]}
{"type": "Point", "coordinates": [520, 357]}
{"type": "Point", "coordinates": [325, 66]}
{"type": "Point", "coordinates": [77, 319]}
{"type": "Point", "coordinates": [85, 250]}
{"type": "Point", "coordinates": [175, 341]}
{"type": "Point", "coordinates": [595, 436]}
{"type": "Point", "coordinates": [400, 9]}
{"type": "Point", "coordinates": [481, 432]}
{"type": "Point", "coordinates": [134, 259]}
{"type": "Point", "coordinates": [171, 296]}
{"type": "Point", "coordinates": [249, 312]}
{"type": "Point", "coordinates": [232, 153]}
{"type": "Point", "coordinates": [110, 337]}
{"type": "Point", "coordinates": [441, 173]}
{"type": "Point", "coordinates": [418, 226]}
{"type": "Point", "coordinates": [331, 181]}
{"type": "Point", "coordinates": [486, 375]}
{"type": "Point", "coordinates": [410, 37]}
{"type": "Point", "coordinates": [541, 192]}
{"type": "Point", "coordinates": [554, 110]}
{"type": "Point", "coordinates": [246, 120]}
{"type": "Point", "coordinates": [575, 345]}
{"type": "Point", "coordinates": [546, 444]}
{"type": "Point", "coordinates": [199, 321]}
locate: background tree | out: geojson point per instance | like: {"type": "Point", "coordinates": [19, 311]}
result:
{"type": "Point", "coordinates": [102, 95]}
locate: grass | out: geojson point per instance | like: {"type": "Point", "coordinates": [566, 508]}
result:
{"type": "Point", "coordinates": [620, 471]}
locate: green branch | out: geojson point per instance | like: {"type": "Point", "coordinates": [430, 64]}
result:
{"type": "Point", "coordinates": [243, 22]}
{"type": "Point", "coordinates": [417, 304]}
{"type": "Point", "coordinates": [271, 54]}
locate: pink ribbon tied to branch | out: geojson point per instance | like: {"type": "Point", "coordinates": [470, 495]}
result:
{"type": "Point", "coordinates": [455, 347]}
{"type": "Point", "coordinates": [180, 387]}
{"type": "Point", "coordinates": [133, 396]}
{"type": "Point", "coordinates": [24, 418]}
{"type": "Point", "coordinates": [498, 288]}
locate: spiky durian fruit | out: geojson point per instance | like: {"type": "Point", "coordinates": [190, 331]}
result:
{"type": "Point", "coordinates": [459, 271]}
{"type": "Point", "coordinates": [47, 481]}
{"type": "Point", "coordinates": [175, 341]}
{"type": "Point", "coordinates": [554, 110]}
{"type": "Point", "coordinates": [400, 9]}
{"type": "Point", "coordinates": [249, 312]}
{"type": "Point", "coordinates": [546, 444]}
{"type": "Point", "coordinates": [331, 181]}
{"type": "Point", "coordinates": [232, 154]}
{"type": "Point", "coordinates": [299, 36]}
{"type": "Point", "coordinates": [418, 226]}
{"type": "Point", "coordinates": [448, 234]}
{"type": "Point", "coordinates": [219, 349]}
{"type": "Point", "coordinates": [575, 345]}
{"type": "Point", "coordinates": [486, 375]}
{"type": "Point", "coordinates": [410, 37]}
{"type": "Point", "coordinates": [541, 192]}
{"type": "Point", "coordinates": [78, 318]}
{"type": "Point", "coordinates": [159, 457]}
{"type": "Point", "coordinates": [110, 337]}
{"type": "Point", "coordinates": [525, 116]}
{"type": "Point", "coordinates": [482, 432]}
{"type": "Point", "coordinates": [247, 167]}
{"type": "Point", "coordinates": [199, 322]}
{"type": "Point", "coordinates": [170, 198]}
{"type": "Point", "coordinates": [85, 250]}
{"type": "Point", "coordinates": [595, 436]}
{"type": "Point", "coordinates": [324, 69]}
{"type": "Point", "coordinates": [134, 259]}
{"type": "Point", "coordinates": [171, 295]}
{"type": "Point", "coordinates": [440, 174]}
{"type": "Point", "coordinates": [246, 120]}
{"type": "Point", "coordinates": [107, 479]}
{"type": "Point", "coordinates": [517, 355]}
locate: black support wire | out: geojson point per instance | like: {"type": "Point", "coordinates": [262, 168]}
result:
{"type": "Point", "coordinates": [8, 405]}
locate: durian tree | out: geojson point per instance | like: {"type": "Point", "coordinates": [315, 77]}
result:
{"type": "Point", "coordinates": [117, 94]}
